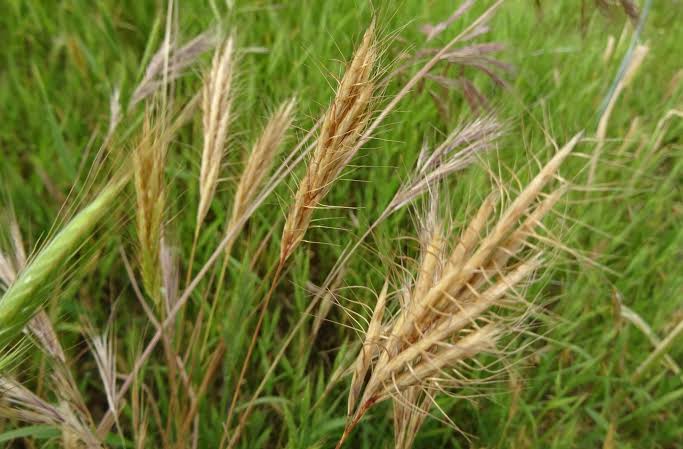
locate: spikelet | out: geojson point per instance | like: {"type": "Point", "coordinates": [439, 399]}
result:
{"type": "Point", "coordinates": [448, 315]}
{"type": "Point", "coordinates": [459, 150]}
{"type": "Point", "coordinates": [261, 159]}
{"type": "Point", "coordinates": [102, 347]}
{"type": "Point", "coordinates": [343, 124]}
{"type": "Point", "coordinates": [149, 161]}
{"type": "Point", "coordinates": [169, 63]}
{"type": "Point", "coordinates": [216, 105]}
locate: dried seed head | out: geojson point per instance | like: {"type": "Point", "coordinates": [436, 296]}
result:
{"type": "Point", "coordinates": [453, 310]}
{"type": "Point", "coordinates": [261, 159]}
{"type": "Point", "coordinates": [458, 151]}
{"type": "Point", "coordinates": [103, 350]}
{"type": "Point", "coordinates": [170, 62]}
{"type": "Point", "coordinates": [216, 105]}
{"type": "Point", "coordinates": [343, 124]}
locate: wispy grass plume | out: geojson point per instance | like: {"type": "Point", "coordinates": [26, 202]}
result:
{"type": "Point", "coordinates": [257, 167]}
{"type": "Point", "coordinates": [217, 98]}
{"type": "Point", "coordinates": [342, 126]}
{"type": "Point", "coordinates": [261, 159]}
{"type": "Point", "coordinates": [450, 313]}
{"type": "Point", "coordinates": [170, 62]}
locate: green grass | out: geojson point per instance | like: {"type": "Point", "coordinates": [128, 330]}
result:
{"type": "Point", "coordinates": [60, 63]}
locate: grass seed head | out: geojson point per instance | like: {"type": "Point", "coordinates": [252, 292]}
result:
{"type": "Point", "coordinates": [217, 113]}
{"type": "Point", "coordinates": [18, 402]}
{"type": "Point", "coordinates": [170, 62]}
{"type": "Point", "coordinates": [343, 124]}
{"type": "Point", "coordinates": [149, 163]}
{"type": "Point", "coordinates": [261, 159]}
{"type": "Point", "coordinates": [461, 303]}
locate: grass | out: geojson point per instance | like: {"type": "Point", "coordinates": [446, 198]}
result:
{"type": "Point", "coordinates": [615, 249]}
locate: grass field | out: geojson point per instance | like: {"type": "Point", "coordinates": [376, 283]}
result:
{"type": "Point", "coordinates": [598, 365]}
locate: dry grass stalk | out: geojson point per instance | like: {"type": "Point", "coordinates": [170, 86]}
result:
{"type": "Point", "coordinates": [456, 152]}
{"type": "Point", "coordinates": [341, 129]}
{"type": "Point", "coordinates": [302, 149]}
{"type": "Point", "coordinates": [660, 350]}
{"type": "Point", "coordinates": [631, 316]}
{"type": "Point", "coordinates": [217, 98]}
{"type": "Point", "coordinates": [448, 315]}
{"type": "Point", "coordinates": [342, 126]}
{"type": "Point", "coordinates": [294, 158]}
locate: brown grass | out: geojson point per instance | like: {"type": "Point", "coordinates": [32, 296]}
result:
{"type": "Point", "coordinates": [260, 160]}
{"type": "Point", "coordinates": [456, 307]}
{"type": "Point", "coordinates": [217, 98]}
{"type": "Point", "coordinates": [342, 126]}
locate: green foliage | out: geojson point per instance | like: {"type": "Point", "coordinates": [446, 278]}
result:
{"type": "Point", "coordinates": [23, 298]}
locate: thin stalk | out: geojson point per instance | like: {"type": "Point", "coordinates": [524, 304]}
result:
{"type": "Point", "coordinates": [659, 351]}
{"type": "Point", "coordinates": [188, 275]}
{"type": "Point", "coordinates": [353, 423]}
{"type": "Point", "coordinates": [362, 140]}
{"type": "Point", "coordinates": [316, 299]}
{"type": "Point", "coordinates": [286, 167]}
